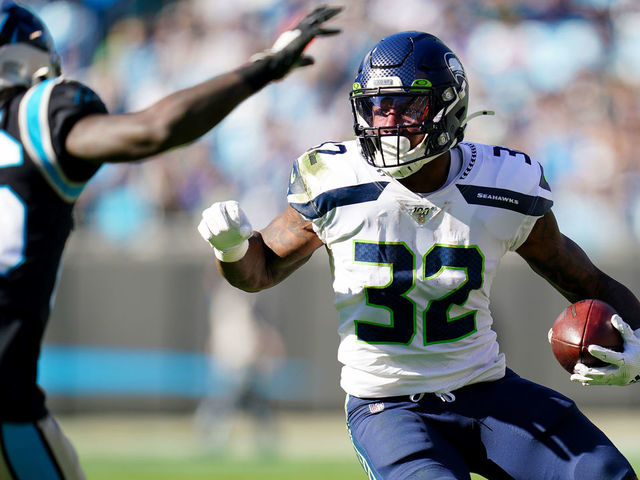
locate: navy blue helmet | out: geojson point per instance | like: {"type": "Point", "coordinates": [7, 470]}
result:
{"type": "Point", "coordinates": [422, 80]}
{"type": "Point", "coordinates": [27, 52]}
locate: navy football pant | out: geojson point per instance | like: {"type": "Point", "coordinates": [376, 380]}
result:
{"type": "Point", "coordinates": [508, 429]}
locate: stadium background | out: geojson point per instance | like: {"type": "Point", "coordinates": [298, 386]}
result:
{"type": "Point", "coordinates": [130, 332]}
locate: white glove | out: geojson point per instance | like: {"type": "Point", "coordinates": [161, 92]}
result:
{"type": "Point", "coordinates": [226, 227]}
{"type": "Point", "coordinates": [624, 367]}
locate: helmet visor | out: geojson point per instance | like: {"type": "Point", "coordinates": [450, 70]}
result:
{"type": "Point", "coordinates": [391, 110]}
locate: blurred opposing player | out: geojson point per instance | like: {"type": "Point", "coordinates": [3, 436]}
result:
{"type": "Point", "coordinates": [54, 135]}
{"type": "Point", "coordinates": [415, 222]}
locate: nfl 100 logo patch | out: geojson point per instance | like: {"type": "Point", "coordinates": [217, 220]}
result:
{"type": "Point", "coordinates": [376, 407]}
{"type": "Point", "coordinates": [420, 213]}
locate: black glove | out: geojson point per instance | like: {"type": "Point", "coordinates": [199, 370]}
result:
{"type": "Point", "coordinates": [286, 53]}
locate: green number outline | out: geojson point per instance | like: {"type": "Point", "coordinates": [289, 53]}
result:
{"type": "Point", "coordinates": [473, 313]}
{"type": "Point", "coordinates": [404, 295]}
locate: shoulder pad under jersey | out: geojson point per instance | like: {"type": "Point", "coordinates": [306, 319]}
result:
{"type": "Point", "coordinates": [325, 174]}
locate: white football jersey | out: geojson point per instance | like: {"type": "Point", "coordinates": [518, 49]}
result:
{"type": "Point", "coordinates": [412, 273]}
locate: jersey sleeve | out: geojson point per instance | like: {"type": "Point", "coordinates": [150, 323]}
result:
{"type": "Point", "coordinates": [513, 187]}
{"type": "Point", "coordinates": [47, 113]}
{"type": "Point", "coordinates": [299, 195]}
{"type": "Point", "coordinates": [541, 201]}
{"type": "Point", "coordinates": [70, 101]}
{"type": "Point", "coordinates": [321, 180]}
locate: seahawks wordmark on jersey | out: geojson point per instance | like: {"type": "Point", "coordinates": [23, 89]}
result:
{"type": "Point", "coordinates": [412, 273]}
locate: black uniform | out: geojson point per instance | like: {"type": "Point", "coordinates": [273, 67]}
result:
{"type": "Point", "coordinates": [39, 183]}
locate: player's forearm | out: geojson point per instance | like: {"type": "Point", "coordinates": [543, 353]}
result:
{"type": "Point", "coordinates": [620, 298]}
{"type": "Point", "coordinates": [173, 121]}
{"type": "Point", "coordinates": [260, 268]}
{"type": "Point", "coordinates": [189, 113]}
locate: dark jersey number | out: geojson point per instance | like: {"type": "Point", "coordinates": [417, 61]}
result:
{"type": "Point", "coordinates": [438, 325]}
{"type": "Point", "coordinates": [497, 151]}
{"type": "Point", "coordinates": [392, 296]}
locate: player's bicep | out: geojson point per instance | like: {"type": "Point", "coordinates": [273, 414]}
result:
{"type": "Point", "coordinates": [559, 260]}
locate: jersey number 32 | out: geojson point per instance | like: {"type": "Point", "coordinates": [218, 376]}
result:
{"type": "Point", "coordinates": [438, 327]}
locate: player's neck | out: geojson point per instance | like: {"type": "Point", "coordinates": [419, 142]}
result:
{"type": "Point", "coordinates": [431, 177]}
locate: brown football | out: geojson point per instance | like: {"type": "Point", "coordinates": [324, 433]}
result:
{"type": "Point", "coordinates": [584, 323]}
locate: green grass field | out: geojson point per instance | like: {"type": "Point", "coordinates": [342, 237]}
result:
{"type": "Point", "coordinates": [158, 448]}
{"type": "Point", "coordinates": [201, 468]}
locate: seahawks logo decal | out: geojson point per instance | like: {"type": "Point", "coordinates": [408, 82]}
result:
{"type": "Point", "coordinates": [456, 67]}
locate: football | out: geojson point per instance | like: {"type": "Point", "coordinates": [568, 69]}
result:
{"type": "Point", "coordinates": [584, 323]}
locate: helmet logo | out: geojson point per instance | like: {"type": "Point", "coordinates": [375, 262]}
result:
{"type": "Point", "coordinates": [421, 83]}
{"type": "Point", "coordinates": [456, 67]}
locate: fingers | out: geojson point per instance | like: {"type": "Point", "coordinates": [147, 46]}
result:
{"type": "Point", "coordinates": [609, 375]}
{"type": "Point", "coordinates": [623, 327]}
{"type": "Point", "coordinates": [304, 61]}
{"type": "Point", "coordinates": [225, 225]}
{"type": "Point", "coordinates": [578, 378]}
{"type": "Point", "coordinates": [325, 32]}
{"type": "Point", "coordinates": [581, 374]}
{"type": "Point", "coordinates": [217, 218]}
{"type": "Point", "coordinates": [318, 16]}
{"type": "Point", "coordinates": [606, 355]}
{"type": "Point", "coordinates": [204, 231]}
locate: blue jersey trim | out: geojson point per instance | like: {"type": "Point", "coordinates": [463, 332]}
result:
{"type": "Point", "coordinates": [35, 133]}
{"type": "Point", "coordinates": [506, 199]}
{"type": "Point", "coordinates": [340, 197]}
{"type": "Point", "coordinates": [27, 453]}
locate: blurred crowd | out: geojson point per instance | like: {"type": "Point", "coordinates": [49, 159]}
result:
{"type": "Point", "coordinates": [563, 77]}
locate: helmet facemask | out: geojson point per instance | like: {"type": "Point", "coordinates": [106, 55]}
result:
{"type": "Point", "coordinates": [420, 112]}
{"type": "Point", "coordinates": [27, 53]}
{"type": "Point", "coordinates": [22, 64]}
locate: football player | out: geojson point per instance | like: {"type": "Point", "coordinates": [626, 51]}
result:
{"type": "Point", "coordinates": [415, 222]}
{"type": "Point", "coordinates": [54, 135]}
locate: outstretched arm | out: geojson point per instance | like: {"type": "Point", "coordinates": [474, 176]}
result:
{"type": "Point", "coordinates": [259, 260]}
{"type": "Point", "coordinates": [568, 268]}
{"type": "Point", "coordinates": [187, 114]}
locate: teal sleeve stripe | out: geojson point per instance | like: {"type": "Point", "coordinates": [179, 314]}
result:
{"type": "Point", "coordinates": [35, 132]}
{"type": "Point", "coordinates": [27, 454]}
